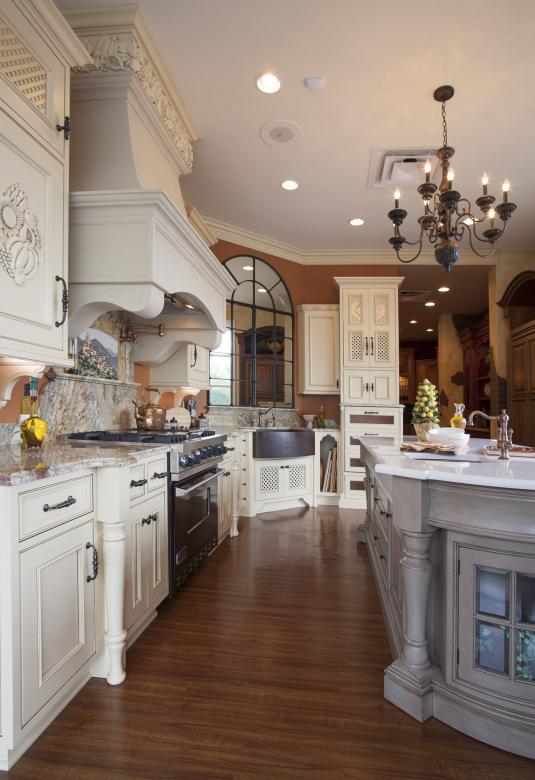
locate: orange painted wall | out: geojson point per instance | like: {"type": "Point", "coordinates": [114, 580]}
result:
{"type": "Point", "coordinates": [308, 284]}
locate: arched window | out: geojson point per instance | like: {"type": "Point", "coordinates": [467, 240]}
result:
{"type": "Point", "coordinates": [254, 364]}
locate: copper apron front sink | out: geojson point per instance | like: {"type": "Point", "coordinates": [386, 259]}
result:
{"type": "Point", "coordinates": [283, 443]}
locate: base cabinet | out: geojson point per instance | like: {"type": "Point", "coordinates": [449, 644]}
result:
{"type": "Point", "coordinates": [57, 614]}
{"type": "Point", "coordinates": [146, 559]}
{"type": "Point", "coordinates": [225, 500]}
{"type": "Point", "coordinates": [283, 481]}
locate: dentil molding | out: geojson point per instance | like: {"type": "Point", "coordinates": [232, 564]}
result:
{"type": "Point", "coordinates": [118, 40]}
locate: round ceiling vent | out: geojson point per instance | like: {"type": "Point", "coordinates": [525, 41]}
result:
{"type": "Point", "coordinates": [281, 133]}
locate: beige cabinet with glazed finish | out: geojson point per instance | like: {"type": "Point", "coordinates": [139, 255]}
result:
{"type": "Point", "coordinates": [319, 351]}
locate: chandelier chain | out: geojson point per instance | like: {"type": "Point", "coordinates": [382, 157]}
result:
{"type": "Point", "coordinates": [444, 125]}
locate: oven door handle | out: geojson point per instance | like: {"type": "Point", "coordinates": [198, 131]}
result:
{"type": "Point", "coordinates": [180, 492]}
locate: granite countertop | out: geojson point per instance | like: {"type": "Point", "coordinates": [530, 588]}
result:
{"type": "Point", "coordinates": [18, 466]}
{"type": "Point", "coordinates": [470, 468]}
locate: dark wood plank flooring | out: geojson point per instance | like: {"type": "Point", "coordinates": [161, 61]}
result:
{"type": "Point", "coordinates": [267, 666]}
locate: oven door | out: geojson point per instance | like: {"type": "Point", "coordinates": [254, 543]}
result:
{"type": "Point", "coordinates": [194, 517]}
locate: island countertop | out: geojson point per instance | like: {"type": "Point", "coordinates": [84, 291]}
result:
{"type": "Point", "coordinates": [470, 468]}
{"type": "Point", "coordinates": [18, 465]}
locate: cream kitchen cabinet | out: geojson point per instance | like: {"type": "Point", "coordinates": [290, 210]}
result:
{"type": "Point", "coordinates": [367, 386]}
{"type": "Point", "coordinates": [57, 614]}
{"type": "Point", "coordinates": [319, 352]}
{"type": "Point", "coordinates": [225, 500]}
{"type": "Point", "coordinates": [369, 326]}
{"type": "Point", "coordinates": [49, 580]}
{"type": "Point", "coordinates": [187, 367]}
{"type": "Point", "coordinates": [146, 581]}
{"type": "Point", "coordinates": [34, 175]}
{"type": "Point", "coordinates": [278, 482]}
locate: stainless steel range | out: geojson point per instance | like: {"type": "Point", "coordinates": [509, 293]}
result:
{"type": "Point", "coordinates": [193, 484]}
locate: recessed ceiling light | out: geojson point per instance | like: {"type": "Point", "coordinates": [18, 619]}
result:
{"type": "Point", "coordinates": [413, 322]}
{"type": "Point", "coordinates": [357, 221]}
{"type": "Point", "coordinates": [289, 184]}
{"type": "Point", "coordinates": [261, 289]}
{"type": "Point", "coordinates": [430, 303]}
{"type": "Point", "coordinates": [189, 306]}
{"type": "Point", "coordinates": [248, 268]}
{"type": "Point", "coordinates": [268, 83]}
{"type": "Point", "coordinates": [429, 330]}
{"type": "Point", "coordinates": [444, 289]}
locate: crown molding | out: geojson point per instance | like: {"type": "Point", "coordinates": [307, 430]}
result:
{"type": "Point", "coordinates": [272, 246]}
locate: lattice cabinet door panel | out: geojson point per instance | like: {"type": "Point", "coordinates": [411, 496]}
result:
{"type": "Point", "coordinates": [383, 331]}
{"type": "Point", "coordinates": [33, 80]}
{"type": "Point", "coordinates": [298, 477]}
{"type": "Point", "coordinates": [269, 477]}
{"type": "Point", "coordinates": [356, 341]}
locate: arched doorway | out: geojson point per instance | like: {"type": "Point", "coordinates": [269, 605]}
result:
{"type": "Point", "coordinates": [518, 304]}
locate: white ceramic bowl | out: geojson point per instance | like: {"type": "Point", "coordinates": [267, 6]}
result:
{"type": "Point", "coordinates": [445, 436]}
{"type": "Point", "coordinates": [309, 420]}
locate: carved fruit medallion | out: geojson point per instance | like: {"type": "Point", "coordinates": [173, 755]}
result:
{"type": "Point", "coordinates": [20, 239]}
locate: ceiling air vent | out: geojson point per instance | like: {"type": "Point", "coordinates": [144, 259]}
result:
{"type": "Point", "coordinates": [392, 168]}
{"type": "Point", "coordinates": [414, 296]}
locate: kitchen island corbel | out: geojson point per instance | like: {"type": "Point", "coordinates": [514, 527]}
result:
{"type": "Point", "coordinates": [452, 548]}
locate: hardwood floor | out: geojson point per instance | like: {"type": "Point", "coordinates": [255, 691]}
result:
{"type": "Point", "coordinates": [267, 666]}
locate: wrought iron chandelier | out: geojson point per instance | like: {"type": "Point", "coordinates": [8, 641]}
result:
{"type": "Point", "coordinates": [448, 217]}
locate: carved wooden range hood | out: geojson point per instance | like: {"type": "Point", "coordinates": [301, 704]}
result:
{"type": "Point", "coordinates": [132, 245]}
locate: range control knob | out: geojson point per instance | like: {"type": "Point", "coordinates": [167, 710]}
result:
{"type": "Point", "coordinates": [183, 461]}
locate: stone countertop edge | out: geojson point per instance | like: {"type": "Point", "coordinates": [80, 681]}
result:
{"type": "Point", "coordinates": [18, 466]}
{"type": "Point", "coordinates": [514, 474]}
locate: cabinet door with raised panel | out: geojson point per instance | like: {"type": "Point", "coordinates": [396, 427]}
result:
{"type": "Point", "coordinates": [355, 326]}
{"type": "Point", "coordinates": [32, 248]}
{"type": "Point", "coordinates": [356, 387]}
{"type": "Point", "coordinates": [57, 614]}
{"type": "Point", "coordinates": [319, 331]}
{"type": "Point", "coordinates": [384, 388]}
{"type": "Point", "coordinates": [155, 550]}
{"type": "Point", "coordinates": [383, 344]}
{"type": "Point", "coordinates": [268, 479]}
{"type": "Point", "coordinates": [135, 592]}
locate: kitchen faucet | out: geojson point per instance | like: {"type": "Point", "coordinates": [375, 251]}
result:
{"type": "Point", "coordinates": [505, 434]}
{"type": "Point", "coordinates": [266, 411]}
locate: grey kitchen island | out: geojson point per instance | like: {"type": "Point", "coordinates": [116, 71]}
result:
{"type": "Point", "coordinates": [452, 547]}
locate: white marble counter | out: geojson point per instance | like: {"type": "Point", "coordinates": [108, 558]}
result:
{"type": "Point", "coordinates": [471, 468]}
{"type": "Point", "coordinates": [18, 465]}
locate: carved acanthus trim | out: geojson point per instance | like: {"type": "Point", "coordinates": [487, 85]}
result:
{"type": "Point", "coordinates": [113, 52]}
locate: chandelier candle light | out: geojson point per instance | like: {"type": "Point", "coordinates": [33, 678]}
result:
{"type": "Point", "coordinates": [448, 217]}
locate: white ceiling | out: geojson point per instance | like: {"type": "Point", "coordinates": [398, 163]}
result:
{"type": "Point", "coordinates": [381, 61]}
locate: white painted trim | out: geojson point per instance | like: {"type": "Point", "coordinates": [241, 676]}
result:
{"type": "Point", "coordinates": [272, 246]}
{"type": "Point", "coordinates": [59, 32]}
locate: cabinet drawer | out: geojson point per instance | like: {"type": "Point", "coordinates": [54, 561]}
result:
{"type": "Point", "coordinates": [47, 507]}
{"type": "Point", "coordinates": [156, 474]}
{"type": "Point", "coordinates": [138, 481]}
{"type": "Point", "coordinates": [372, 418]}
{"type": "Point", "coordinates": [354, 485]}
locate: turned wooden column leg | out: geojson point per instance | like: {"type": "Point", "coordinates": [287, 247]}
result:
{"type": "Point", "coordinates": [114, 549]}
{"type": "Point", "coordinates": [416, 572]}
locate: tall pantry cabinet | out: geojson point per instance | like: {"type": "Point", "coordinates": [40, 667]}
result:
{"type": "Point", "coordinates": [369, 374]}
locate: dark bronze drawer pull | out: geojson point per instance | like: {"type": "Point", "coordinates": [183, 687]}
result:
{"type": "Point", "coordinates": [149, 519]}
{"type": "Point", "coordinates": [381, 556]}
{"type": "Point", "coordinates": [62, 504]}
{"type": "Point", "coordinates": [138, 482]}
{"type": "Point", "coordinates": [90, 578]}
{"type": "Point", "coordinates": [159, 475]}
{"type": "Point", "coordinates": [66, 127]}
{"type": "Point", "coordinates": [64, 301]}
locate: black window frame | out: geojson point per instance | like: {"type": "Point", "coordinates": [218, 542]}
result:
{"type": "Point", "coordinates": [254, 333]}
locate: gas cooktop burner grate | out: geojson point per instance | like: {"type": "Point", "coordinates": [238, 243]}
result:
{"type": "Point", "coordinates": [142, 437]}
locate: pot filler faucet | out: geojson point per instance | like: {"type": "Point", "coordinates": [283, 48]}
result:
{"type": "Point", "coordinates": [504, 439]}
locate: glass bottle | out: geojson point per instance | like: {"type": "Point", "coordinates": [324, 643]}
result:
{"type": "Point", "coordinates": [320, 418]}
{"type": "Point", "coordinates": [458, 420]}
